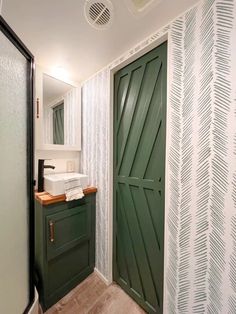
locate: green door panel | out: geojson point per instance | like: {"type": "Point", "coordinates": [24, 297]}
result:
{"type": "Point", "coordinates": [139, 178]}
{"type": "Point", "coordinates": [65, 269]}
{"type": "Point", "coordinates": [68, 229]}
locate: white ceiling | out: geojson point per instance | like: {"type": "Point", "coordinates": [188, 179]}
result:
{"type": "Point", "coordinates": [57, 33]}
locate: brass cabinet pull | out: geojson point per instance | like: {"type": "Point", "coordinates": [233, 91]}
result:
{"type": "Point", "coordinates": [37, 108]}
{"type": "Point", "coordinates": [51, 228]}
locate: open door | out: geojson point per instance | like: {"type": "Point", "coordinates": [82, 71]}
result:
{"type": "Point", "coordinates": [16, 174]}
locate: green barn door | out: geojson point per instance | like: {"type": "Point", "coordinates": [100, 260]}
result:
{"type": "Point", "coordinates": [139, 178]}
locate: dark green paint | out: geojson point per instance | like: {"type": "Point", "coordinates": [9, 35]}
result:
{"type": "Point", "coordinates": [139, 178]}
{"type": "Point", "coordinates": [58, 124]}
{"type": "Point", "coordinates": [64, 263]}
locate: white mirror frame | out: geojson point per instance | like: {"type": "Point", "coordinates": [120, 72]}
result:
{"type": "Point", "coordinates": [38, 113]}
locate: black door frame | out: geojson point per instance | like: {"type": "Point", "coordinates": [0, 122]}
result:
{"type": "Point", "coordinates": [15, 40]}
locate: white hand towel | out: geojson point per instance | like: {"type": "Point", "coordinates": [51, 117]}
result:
{"type": "Point", "coordinates": [73, 190]}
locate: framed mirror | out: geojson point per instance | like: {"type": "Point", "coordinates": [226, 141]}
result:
{"type": "Point", "coordinates": [58, 113]}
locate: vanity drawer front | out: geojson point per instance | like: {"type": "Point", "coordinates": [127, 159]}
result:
{"type": "Point", "coordinates": [61, 206]}
{"type": "Point", "coordinates": [67, 229]}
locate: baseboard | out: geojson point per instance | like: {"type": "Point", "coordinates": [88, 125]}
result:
{"type": "Point", "coordinates": [106, 281]}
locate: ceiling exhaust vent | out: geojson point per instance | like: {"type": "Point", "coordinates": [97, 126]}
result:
{"type": "Point", "coordinates": [99, 14]}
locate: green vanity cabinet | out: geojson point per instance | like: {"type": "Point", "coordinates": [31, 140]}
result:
{"type": "Point", "coordinates": [64, 246]}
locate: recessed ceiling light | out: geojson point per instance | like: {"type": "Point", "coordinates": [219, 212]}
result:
{"type": "Point", "coordinates": [60, 73]}
{"type": "Point", "coordinates": [139, 6]}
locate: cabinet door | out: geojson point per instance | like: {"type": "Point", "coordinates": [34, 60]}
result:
{"type": "Point", "coordinates": [67, 229]}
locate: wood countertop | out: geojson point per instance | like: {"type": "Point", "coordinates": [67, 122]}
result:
{"type": "Point", "coordinates": [45, 198]}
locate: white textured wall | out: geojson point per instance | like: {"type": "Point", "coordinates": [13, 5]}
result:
{"type": "Point", "coordinates": [200, 246]}
{"type": "Point", "coordinates": [95, 156]}
{"type": "Point", "coordinates": [1, 6]}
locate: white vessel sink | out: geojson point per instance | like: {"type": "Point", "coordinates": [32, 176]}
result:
{"type": "Point", "coordinates": [54, 184]}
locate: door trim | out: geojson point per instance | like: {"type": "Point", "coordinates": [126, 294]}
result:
{"type": "Point", "coordinates": [15, 40]}
{"type": "Point", "coordinates": [113, 70]}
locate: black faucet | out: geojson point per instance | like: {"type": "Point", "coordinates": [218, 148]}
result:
{"type": "Point", "coordinates": [41, 168]}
